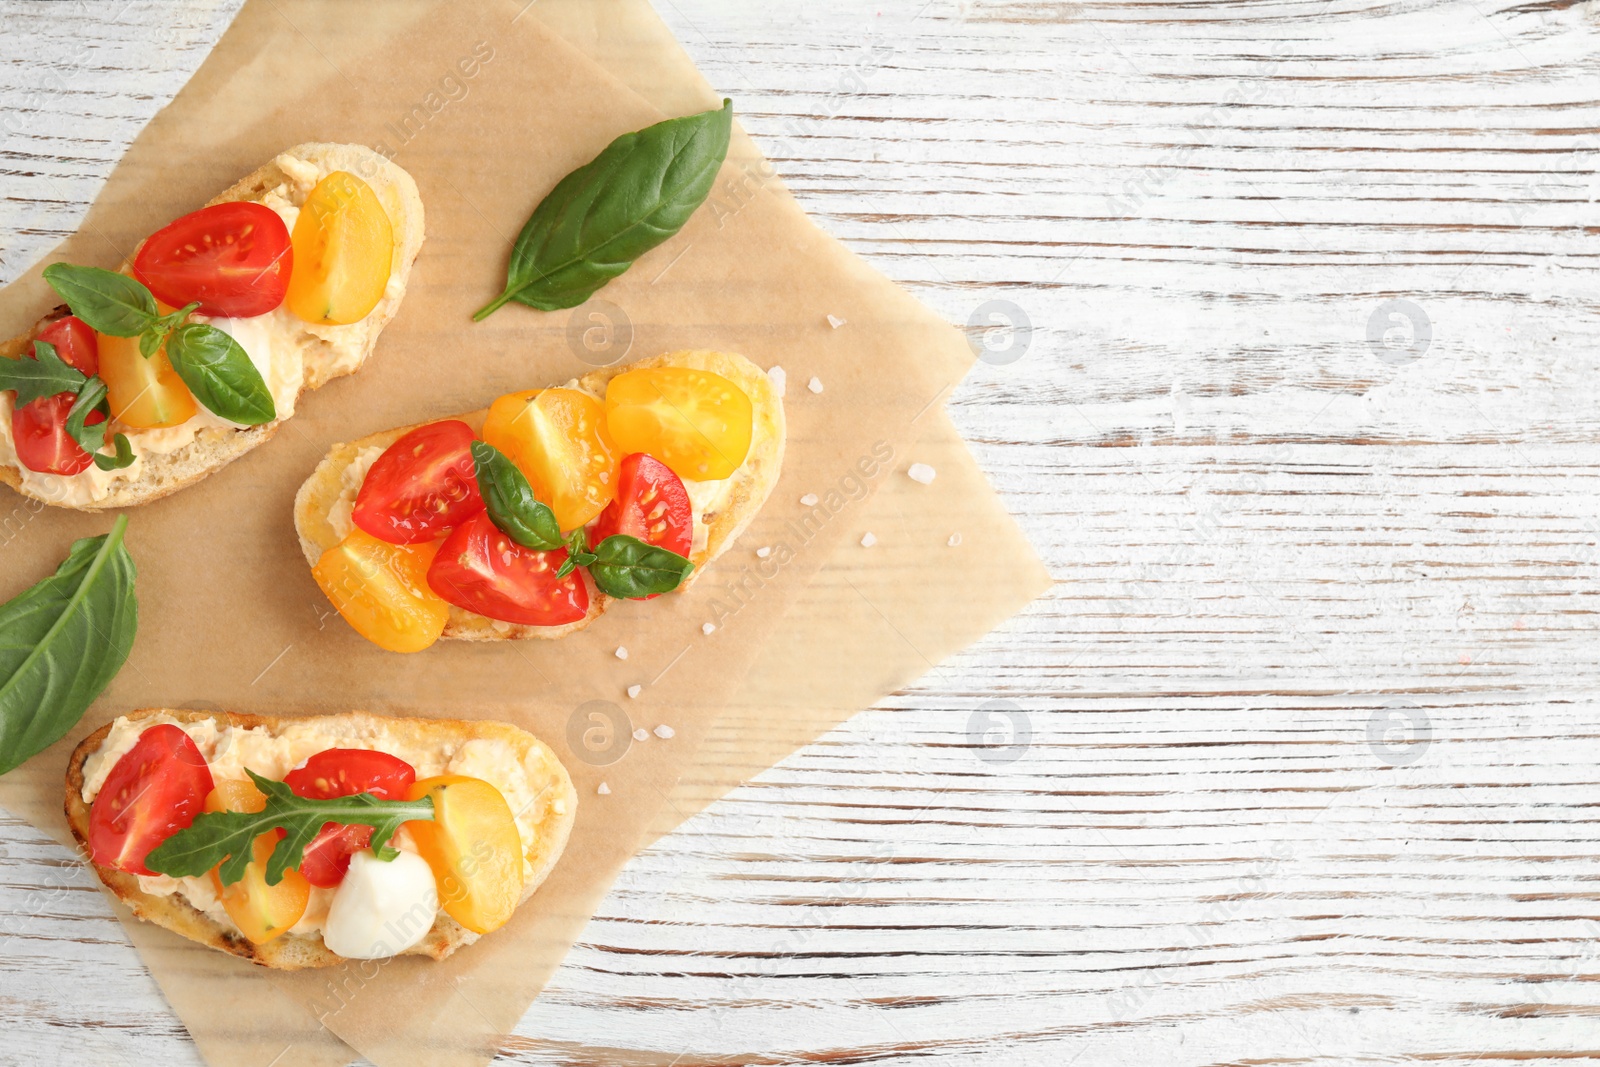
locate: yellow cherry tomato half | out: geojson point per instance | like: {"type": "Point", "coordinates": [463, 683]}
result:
{"type": "Point", "coordinates": [473, 847]}
{"type": "Point", "coordinates": [343, 252]}
{"type": "Point", "coordinates": [558, 439]}
{"type": "Point", "coordinates": [143, 393]}
{"type": "Point", "coordinates": [262, 912]}
{"type": "Point", "coordinates": [696, 422]}
{"type": "Point", "coordinates": [382, 591]}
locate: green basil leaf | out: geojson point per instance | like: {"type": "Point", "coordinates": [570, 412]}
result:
{"type": "Point", "coordinates": [220, 374]}
{"type": "Point", "coordinates": [150, 342]}
{"type": "Point", "coordinates": [123, 458]}
{"type": "Point", "coordinates": [61, 643]}
{"type": "Point", "coordinates": [228, 837]}
{"type": "Point", "coordinates": [634, 195]}
{"type": "Point", "coordinates": [46, 375]}
{"type": "Point", "coordinates": [510, 501]}
{"type": "Point", "coordinates": [627, 568]}
{"type": "Point", "coordinates": [110, 302]}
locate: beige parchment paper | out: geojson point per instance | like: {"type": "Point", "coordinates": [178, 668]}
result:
{"type": "Point", "coordinates": [231, 618]}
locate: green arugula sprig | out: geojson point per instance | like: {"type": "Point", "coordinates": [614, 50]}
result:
{"type": "Point", "coordinates": [47, 374]}
{"type": "Point", "coordinates": [211, 363]}
{"type": "Point", "coordinates": [228, 837]}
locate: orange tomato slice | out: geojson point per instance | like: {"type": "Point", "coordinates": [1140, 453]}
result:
{"type": "Point", "coordinates": [473, 847]}
{"type": "Point", "coordinates": [696, 422]}
{"type": "Point", "coordinates": [144, 393]}
{"type": "Point", "coordinates": [262, 912]}
{"type": "Point", "coordinates": [558, 439]}
{"type": "Point", "coordinates": [382, 591]}
{"type": "Point", "coordinates": [343, 252]}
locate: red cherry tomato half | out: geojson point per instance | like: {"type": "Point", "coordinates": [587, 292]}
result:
{"type": "Point", "coordinates": [423, 484]}
{"type": "Point", "coordinates": [75, 343]}
{"type": "Point", "coordinates": [480, 569]}
{"type": "Point", "coordinates": [155, 790]}
{"type": "Point", "coordinates": [651, 504]}
{"type": "Point", "coordinates": [39, 434]}
{"type": "Point", "coordinates": [235, 259]}
{"type": "Point", "coordinates": [343, 772]}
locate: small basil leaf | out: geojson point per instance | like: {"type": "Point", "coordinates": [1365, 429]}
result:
{"type": "Point", "coordinates": [123, 458]}
{"type": "Point", "coordinates": [151, 341]}
{"type": "Point", "coordinates": [510, 501]}
{"type": "Point", "coordinates": [568, 565]}
{"type": "Point", "coordinates": [220, 374]}
{"type": "Point", "coordinates": [61, 643]}
{"type": "Point", "coordinates": [46, 375]}
{"type": "Point", "coordinates": [634, 195]}
{"type": "Point", "coordinates": [627, 568]}
{"type": "Point", "coordinates": [109, 302]}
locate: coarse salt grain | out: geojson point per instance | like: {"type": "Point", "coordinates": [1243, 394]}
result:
{"type": "Point", "coordinates": [664, 731]}
{"type": "Point", "coordinates": [604, 790]}
{"type": "Point", "coordinates": [763, 552]}
{"type": "Point", "coordinates": [955, 539]}
{"type": "Point", "coordinates": [868, 539]}
{"type": "Point", "coordinates": [921, 472]}
{"type": "Point", "coordinates": [641, 734]}
{"type": "Point", "coordinates": [635, 690]}
{"type": "Point", "coordinates": [835, 321]}
{"type": "Point", "coordinates": [708, 628]}
{"type": "Point", "coordinates": [809, 500]}
{"type": "Point", "coordinates": [778, 378]}
{"type": "Point", "coordinates": [815, 385]}
{"type": "Point", "coordinates": [622, 653]}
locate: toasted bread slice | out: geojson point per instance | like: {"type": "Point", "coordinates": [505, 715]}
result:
{"type": "Point", "coordinates": [338, 477]}
{"type": "Point", "coordinates": [294, 951]}
{"type": "Point", "coordinates": [326, 352]}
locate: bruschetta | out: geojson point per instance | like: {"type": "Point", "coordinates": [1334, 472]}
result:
{"type": "Point", "coordinates": [196, 349]}
{"type": "Point", "coordinates": [526, 520]}
{"type": "Point", "coordinates": [180, 813]}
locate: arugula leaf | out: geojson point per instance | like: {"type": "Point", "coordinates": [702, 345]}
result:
{"type": "Point", "coordinates": [110, 302]}
{"type": "Point", "coordinates": [46, 375]}
{"type": "Point", "coordinates": [634, 195]}
{"type": "Point", "coordinates": [61, 643]}
{"type": "Point", "coordinates": [228, 837]}
{"type": "Point", "coordinates": [92, 438]}
{"type": "Point", "coordinates": [510, 501]}
{"type": "Point", "coordinates": [220, 375]}
{"type": "Point", "coordinates": [627, 568]}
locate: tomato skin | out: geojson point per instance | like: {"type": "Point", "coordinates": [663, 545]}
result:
{"type": "Point", "coordinates": [343, 772]}
{"type": "Point", "coordinates": [235, 259]}
{"type": "Point", "coordinates": [39, 435]}
{"type": "Point", "coordinates": [153, 791]}
{"type": "Point", "coordinates": [143, 393]}
{"type": "Point", "coordinates": [651, 504]}
{"type": "Point", "coordinates": [558, 439]}
{"type": "Point", "coordinates": [481, 570]}
{"type": "Point", "coordinates": [473, 847]}
{"type": "Point", "coordinates": [262, 912]}
{"type": "Point", "coordinates": [423, 484]}
{"type": "Point", "coordinates": [382, 591]}
{"type": "Point", "coordinates": [75, 342]}
{"type": "Point", "coordinates": [696, 422]}
{"type": "Point", "coordinates": [344, 252]}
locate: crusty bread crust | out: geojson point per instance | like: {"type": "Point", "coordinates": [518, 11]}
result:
{"type": "Point", "coordinates": [296, 951]}
{"type": "Point", "coordinates": [165, 473]}
{"type": "Point", "coordinates": [752, 484]}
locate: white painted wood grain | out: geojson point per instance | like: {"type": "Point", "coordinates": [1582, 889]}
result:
{"type": "Point", "coordinates": [1313, 709]}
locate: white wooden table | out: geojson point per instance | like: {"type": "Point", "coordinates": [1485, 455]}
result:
{"type": "Point", "coordinates": [1306, 430]}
